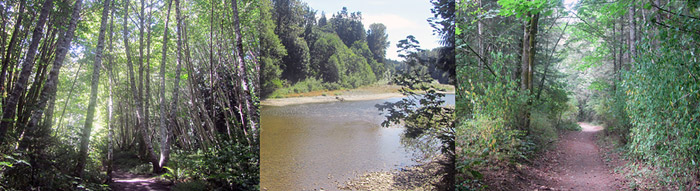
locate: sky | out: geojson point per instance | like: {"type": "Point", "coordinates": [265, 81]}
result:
{"type": "Point", "coordinates": [401, 18]}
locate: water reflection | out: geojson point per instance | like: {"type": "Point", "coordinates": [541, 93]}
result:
{"type": "Point", "coordinates": [309, 146]}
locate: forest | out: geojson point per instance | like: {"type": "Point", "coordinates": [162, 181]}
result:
{"type": "Point", "coordinates": [115, 95]}
{"type": "Point", "coordinates": [528, 71]}
{"type": "Point", "coordinates": [303, 53]}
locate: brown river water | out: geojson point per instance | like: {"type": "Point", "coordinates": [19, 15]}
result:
{"type": "Point", "coordinates": [323, 145]}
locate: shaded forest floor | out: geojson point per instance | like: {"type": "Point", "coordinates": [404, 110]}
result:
{"type": "Point", "coordinates": [130, 173]}
{"type": "Point", "coordinates": [136, 182]}
{"type": "Point", "coordinates": [575, 163]}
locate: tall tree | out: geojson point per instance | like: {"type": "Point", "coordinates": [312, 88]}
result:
{"type": "Point", "coordinates": [145, 137]}
{"type": "Point", "coordinates": [85, 137]}
{"type": "Point", "coordinates": [110, 102]}
{"type": "Point", "coordinates": [10, 47]}
{"type": "Point", "coordinates": [49, 90]}
{"type": "Point", "coordinates": [165, 133]}
{"type": "Point", "coordinates": [377, 40]}
{"type": "Point", "coordinates": [10, 108]}
{"type": "Point", "coordinates": [632, 33]}
{"type": "Point", "coordinates": [245, 94]}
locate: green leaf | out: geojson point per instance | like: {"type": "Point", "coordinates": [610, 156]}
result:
{"type": "Point", "coordinates": [549, 12]}
{"type": "Point", "coordinates": [5, 163]}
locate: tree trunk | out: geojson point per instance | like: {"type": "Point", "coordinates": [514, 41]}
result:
{"type": "Point", "coordinates": [70, 93]}
{"type": "Point", "coordinates": [110, 105]}
{"type": "Point", "coordinates": [85, 138]}
{"type": "Point", "coordinates": [142, 25]}
{"type": "Point", "coordinates": [10, 47]}
{"type": "Point", "coordinates": [27, 66]}
{"type": "Point", "coordinates": [528, 56]}
{"type": "Point", "coordinates": [245, 94]}
{"type": "Point", "coordinates": [480, 44]}
{"type": "Point", "coordinates": [164, 130]}
{"type": "Point", "coordinates": [176, 88]}
{"type": "Point", "coordinates": [145, 138]}
{"type": "Point", "coordinates": [631, 40]}
{"type": "Point", "coordinates": [147, 101]}
{"type": "Point", "coordinates": [49, 91]}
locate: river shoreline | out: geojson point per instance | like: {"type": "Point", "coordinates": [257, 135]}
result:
{"type": "Point", "coordinates": [374, 92]}
{"type": "Point", "coordinates": [424, 176]}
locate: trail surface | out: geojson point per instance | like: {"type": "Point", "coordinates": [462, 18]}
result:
{"type": "Point", "coordinates": [579, 163]}
{"type": "Point", "coordinates": [128, 181]}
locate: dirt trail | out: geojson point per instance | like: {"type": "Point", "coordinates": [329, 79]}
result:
{"type": "Point", "coordinates": [581, 166]}
{"type": "Point", "coordinates": [128, 181]}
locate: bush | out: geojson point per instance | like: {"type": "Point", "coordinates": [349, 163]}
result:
{"type": "Point", "coordinates": [542, 130]}
{"type": "Point", "coordinates": [196, 185]}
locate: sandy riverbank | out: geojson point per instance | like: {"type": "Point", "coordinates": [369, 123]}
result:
{"type": "Point", "coordinates": [425, 176]}
{"type": "Point", "coordinates": [373, 92]}
{"type": "Point", "coordinates": [331, 98]}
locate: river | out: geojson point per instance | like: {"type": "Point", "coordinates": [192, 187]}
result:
{"type": "Point", "coordinates": [322, 145]}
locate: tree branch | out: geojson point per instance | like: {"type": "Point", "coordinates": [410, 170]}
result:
{"type": "Point", "coordinates": [483, 60]}
{"type": "Point", "coordinates": [670, 27]}
{"type": "Point", "coordinates": [679, 14]}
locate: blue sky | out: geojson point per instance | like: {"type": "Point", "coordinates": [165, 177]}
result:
{"type": "Point", "coordinates": [401, 18]}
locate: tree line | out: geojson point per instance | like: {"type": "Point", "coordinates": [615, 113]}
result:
{"type": "Point", "coordinates": [527, 68]}
{"type": "Point", "coordinates": [172, 89]}
{"type": "Point", "coordinates": [301, 52]}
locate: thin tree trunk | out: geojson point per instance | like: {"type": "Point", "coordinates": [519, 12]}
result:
{"type": "Point", "coordinates": [147, 101]}
{"type": "Point", "coordinates": [146, 139]}
{"type": "Point", "coordinates": [246, 94]}
{"type": "Point", "coordinates": [549, 62]}
{"type": "Point", "coordinates": [10, 47]}
{"type": "Point", "coordinates": [110, 106]}
{"type": "Point", "coordinates": [70, 93]}
{"type": "Point", "coordinates": [142, 25]}
{"type": "Point", "coordinates": [27, 66]}
{"type": "Point", "coordinates": [165, 133]}
{"type": "Point", "coordinates": [85, 138]}
{"type": "Point", "coordinates": [528, 56]}
{"type": "Point", "coordinates": [631, 40]}
{"type": "Point", "coordinates": [480, 43]}
{"type": "Point", "coordinates": [176, 89]}
{"type": "Point", "coordinates": [49, 90]}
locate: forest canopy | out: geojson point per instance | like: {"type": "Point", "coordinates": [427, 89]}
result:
{"type": "Point", "coordinates": [96, 91]}
{"type": "Point", "coordinates": [302, 53]}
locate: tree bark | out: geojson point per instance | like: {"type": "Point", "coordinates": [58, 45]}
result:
{"type": "Point", "coordinates": [10, 47]}
{"type": "Point", "coordinates": [49, 91]}
{"type": "Point", "coordinates": [528, 56]}
{"type": "Point", "coordinates": [176, 88]}
{"type": "Point", "coordinates": [85, 138]}
{"type": "Point", "coordinates": [146, 139]}
{"type": "Point", "coordinates": [27, 66]}
{"type": "Point", "coordinates": [110, 104]}
{"type": "Point", "coordinates": [142, 26]}
{"type": "Point", "coordinates": [164, 130]}
{"type": "Point", "coordinates": [631, 40]}
{"type": "Point", "coordinates": [147, 101]}
{"type": "Point", "coordinates": [245, 94]}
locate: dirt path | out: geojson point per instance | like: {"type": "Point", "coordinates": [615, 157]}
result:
{"type": "Point", "coordinates": [580, 163]}
{"type": "Point", "coordinates": [128, 181]}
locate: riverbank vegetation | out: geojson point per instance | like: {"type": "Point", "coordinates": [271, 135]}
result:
{"type": "Point", "coordinates": [96, 89]}
{"type": "Point", "coordinates": [527, 69]}
{"type": "Point", "coordinates": [429, 122]}
{"type": "Point", "coordinates": [304, 51]}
